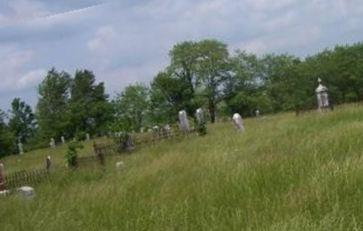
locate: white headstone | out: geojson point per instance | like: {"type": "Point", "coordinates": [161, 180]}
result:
{"type": "Point", "coordinates": [322, 96]}
{"type": "Point", "coordinates": [88, 137]}
{"type": "Point", "coordinates": [63, 140]}
{"type": "Point", "coordinates": [257, 113]}
{"type": "Point", "coordinates": [183, 121]}
{"type": "Point", "coordinates": [52, 143]}
{"type": "Point", "coordinates": [199, 114]}
{"type": "Point", "coordinates": [238, 122]}
{"type": "Point", "coordinates": [26, 191]}
{"type": "Point", "coordinates": [20, 147]}
{"type": "Point", "coordinates": [142, 129]}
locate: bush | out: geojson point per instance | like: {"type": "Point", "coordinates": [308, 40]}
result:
{"type": "Point", "coordinates": [71, 155]}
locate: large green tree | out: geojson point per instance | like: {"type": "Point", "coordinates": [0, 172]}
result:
{"type": "Point", "coordinates": [52, 109]}
{"type": "Point", "coordinates": [131, 108]}
{"type": "Point", "coordinates": [213, 69]}
{"type": "Point", "coordinates": [90, 110]}
{"type": "Point", "coordinates": [22, 120]}
{"type": "Point", "coordinates": [7, 139]}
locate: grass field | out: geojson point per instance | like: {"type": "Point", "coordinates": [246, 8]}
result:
{"type": "Point", "coordinates": [284, 173]}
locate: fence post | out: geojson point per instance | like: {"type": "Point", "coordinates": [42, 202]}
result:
{"type": "Point", "coordinates": [2, 177]}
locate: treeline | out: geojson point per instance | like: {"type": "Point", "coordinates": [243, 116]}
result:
{"type": "Point", "coordinates": [200, 74]}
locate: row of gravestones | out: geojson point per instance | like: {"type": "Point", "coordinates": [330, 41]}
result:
{"type": "Point", "coordinates": [52, 143]}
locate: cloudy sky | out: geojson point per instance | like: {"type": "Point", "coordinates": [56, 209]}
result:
{"type": "Point", "coordinates": [125, 41]}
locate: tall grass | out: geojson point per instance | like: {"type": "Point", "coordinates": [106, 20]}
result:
{"type": "Point", "coordinates": [283, 173]}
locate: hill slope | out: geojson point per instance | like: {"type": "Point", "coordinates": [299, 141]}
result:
{"type": "Point", "coordinates": [283, 173]}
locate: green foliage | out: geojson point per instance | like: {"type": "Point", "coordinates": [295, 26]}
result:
{"type": "Point", "coordinates": [90, 111]}
{"type": "Point", "coordinates": [52, 109]}
{"type": "Point", "coordinates": [22, 121]}
{"type": "Point", "coordinates": [71, 155]}
{"type": "Point", "coordinates": [7, 139]}
{"type": "Point", "coordinates": [131, 108]}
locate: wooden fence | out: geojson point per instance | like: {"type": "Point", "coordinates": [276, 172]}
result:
{"type": "Point", "coordinates": [21, 178]}
{"type": "Point", "coordinates": [32, 177]}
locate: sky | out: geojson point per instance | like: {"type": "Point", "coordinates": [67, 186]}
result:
{"type": "Point", "coordinates": [127, 41]}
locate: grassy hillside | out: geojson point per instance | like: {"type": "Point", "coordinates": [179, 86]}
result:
{"type": "Point", "coordinates": [283, 173]}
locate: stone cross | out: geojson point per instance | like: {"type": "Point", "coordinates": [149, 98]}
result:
{"type": "Point", "coordinates": [20, 147]}
{"type": "Point", "coordinates": [183, 121]}
{"type": "Point", "coordinates": [88, 137]}
{"type": "Point", "coordinates": [238, 122]}
{"type": "Point", "coordinates": [52, 143]}
{"type": "Point", "coordinates": [63, 140]}
{"type": "Point", "coordinates": [2, 177]}
{"type": "Point", "coordinates": [199, 114]}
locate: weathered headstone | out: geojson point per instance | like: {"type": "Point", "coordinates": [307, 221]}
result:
{"type": "Point", "coordinates": [142, 129]}
{"type": "Point", "coordinates": [238, 122]}
{"type": "Point", "coordinates": [199, 114]}
{"type": "Point", "coordinates": [183, 121]}
{"type": "Point", "coordinates": [52, 143]}
{"type": "Point", "coordinates": [26, 191]}
{"type": "Point", "coordinates": [88, 137]}
{"type": "Point", "coordinates": [201, 124]}
{"type": "Point", "coordinates": [20, 147]}
{"type": "Point", "coordinates": [63, 140]}
{"type": "Point", "coordinates": [257, 113]}
{"type": "Point", "coordinates": [48, 163]}
{"type": "Point", "coordinates": [2, 177]}
{"type": "Point", "coordinates": [322, 96]}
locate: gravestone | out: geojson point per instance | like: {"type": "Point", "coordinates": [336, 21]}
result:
{"type": "Point", "coordinates": [63, 140]}
{"type": "Point", "coordinates": [142, 130]}
{"type": "Point", "coordinates": [199, 114]}
{"type": "Point", "coordinates": [322, 96]}
{"type": "Point", "coordinates": [88, 137]}
{"type": "Point", "coordinates": [20, 147]}
{"type": "Point", "coordinates": [183, 121]}
{"type": "Point", "coordinates": [26, 191]}
{"type": "Point", "coordinates": [2, 177]}
{"type": "Point", "coordinates": [238, 122]}
{"type": "Point", "coordinates": [48, 163]}
{"type": "Point", "coordinates": [52, 143]}
{"type": "Point", "coordinates": [257, 113]}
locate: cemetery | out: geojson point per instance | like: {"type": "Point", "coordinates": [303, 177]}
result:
{"type": "Point", "coordinates": [190, 115]}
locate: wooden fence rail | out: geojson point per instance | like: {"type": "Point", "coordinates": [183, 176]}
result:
{"type": "Point", "coordinates": [21, 178]}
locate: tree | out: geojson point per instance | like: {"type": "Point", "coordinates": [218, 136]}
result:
{"type": "Point", "coordinates": [52, 109]}
{"type": "Point", "coordinates": [183, 67]}
{"type": "Point", "coordinates": [212, 71]}
{"type": "Point", "coordinates": [6, 137]}
{"type": "Point", "coordinates": [131, 107]}
{"type": "Point", "coordinates": [22, 121]}
{"type": "Point", "coordinates": [88, 104]}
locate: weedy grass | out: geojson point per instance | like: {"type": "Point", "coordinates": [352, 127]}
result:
{"type": "Point", "coordinates": [283, 173]}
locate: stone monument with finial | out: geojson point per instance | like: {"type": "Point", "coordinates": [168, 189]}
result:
{"type": "Point", "coordinates": [322, 96]}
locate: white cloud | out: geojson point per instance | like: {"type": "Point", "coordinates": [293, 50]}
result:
{"type": "Point", "coordinates": [31, 78]}
{"type": "Point", "coordinates": [104, 39]}
{"type": "Point", "coordinates": [22, 10]}
{"type": "Point", "coordinates": [13, 74]}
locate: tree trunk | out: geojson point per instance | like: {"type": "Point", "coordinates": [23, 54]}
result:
{"type": "Point", "coordinates": [212, 111]}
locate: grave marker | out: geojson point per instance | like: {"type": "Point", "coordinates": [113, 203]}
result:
{"type": "Point", "coordinates": [183, 121]}
{"type": "Point", "coordinates": [322, 96]}
{"type": "Point", "coordinates": [20, 147]}
{"type": "Point", "coordinates": [52, 143]}
{"type": "Point", "coordinates": [238, 122]}
{"type": "Point", "coordinates": [2, 177]}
